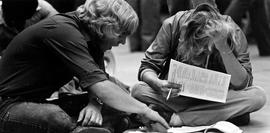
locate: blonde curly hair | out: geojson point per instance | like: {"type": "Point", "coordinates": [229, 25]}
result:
{"type": "Point", "coordinates": [109, 18]}
{"type": "Point", "coordinates": [196, 40]}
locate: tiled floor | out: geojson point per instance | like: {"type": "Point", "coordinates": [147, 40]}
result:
{"type": "Point", "coordinates": [128, 64]}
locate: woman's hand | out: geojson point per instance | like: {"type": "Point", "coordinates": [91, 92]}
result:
{"type": "Point", "coordinates": [165, 87]}
{"type": "Point", "coordinates": [154, 116]}
{"type": "Point", "coordinates": [90, 115]}
{"type": "Point", "coordinates": [219, 32]}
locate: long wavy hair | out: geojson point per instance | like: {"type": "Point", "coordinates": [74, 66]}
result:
{"type": "Point", "coordinates": [196, 41]}
{"type": "Point", "coordinates": [109, 18]}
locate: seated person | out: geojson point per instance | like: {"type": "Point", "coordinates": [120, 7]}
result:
{"type": "Point", "coordinates": [201, 37]}
{"type": "Point", "coordinates": [48, 54]}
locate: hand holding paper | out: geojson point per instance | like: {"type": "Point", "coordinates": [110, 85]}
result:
{"type": "Point", "coordinates": [199, 82]}
{"type": "Point", "coordinates": [168, 87]}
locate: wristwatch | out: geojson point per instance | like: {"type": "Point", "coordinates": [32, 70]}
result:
{"type": "Point", "coordinates": [98, 100]}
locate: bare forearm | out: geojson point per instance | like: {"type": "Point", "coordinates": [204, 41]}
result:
{"type": "Point", "coordinates": [233, 67]}
{"type": "Point", "coordinates": [115, 97]}
{"type": "Point", "coordinates": [151, 78]}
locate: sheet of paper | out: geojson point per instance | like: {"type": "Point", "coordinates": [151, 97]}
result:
{"type": "Point", "coordinates": [199, 82]}
{"type": "Point", "coordinates": [222, 126]}
{"type": "Point", "coordinates": [186, 129]}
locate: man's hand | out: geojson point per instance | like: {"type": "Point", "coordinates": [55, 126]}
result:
{"type": "Point", "coordinates": [90, 115]}
{"type": "Point", "coordinates": [154, 116]}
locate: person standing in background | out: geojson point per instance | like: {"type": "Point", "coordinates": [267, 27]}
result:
{"type": "Point", "coordinates": [259, 23]}
{"type": "Point", "coordinates": [175, 6]}
{"type": "Point", "coordinates": [149, 23]}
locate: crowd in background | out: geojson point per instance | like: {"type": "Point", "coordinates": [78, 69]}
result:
{"type": "Point", "coordinates": [251, 15]}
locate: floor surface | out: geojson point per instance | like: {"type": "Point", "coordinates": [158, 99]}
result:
{"type": "Point", "coordinates": [127, 65]}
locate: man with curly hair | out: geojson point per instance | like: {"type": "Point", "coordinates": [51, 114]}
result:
{"type": "Point", "coordinates": [46, 55]}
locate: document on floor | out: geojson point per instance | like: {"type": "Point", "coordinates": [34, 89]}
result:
{"type": "Point", "coordinates": [199, 82]}
{"type": "Point", "coordinates": [221, 127]}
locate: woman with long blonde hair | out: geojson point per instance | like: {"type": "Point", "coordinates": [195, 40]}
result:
{"type": "Point", "coordinates": [204, 38]}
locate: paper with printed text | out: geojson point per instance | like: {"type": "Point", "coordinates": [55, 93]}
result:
{"type": "Point", "coordinates": [199, 82]}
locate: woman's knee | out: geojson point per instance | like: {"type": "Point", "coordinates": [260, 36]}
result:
{"type": "Point", "coordinates": [258, 99]}
{"type": "Point", "coordinates": [261, 97]}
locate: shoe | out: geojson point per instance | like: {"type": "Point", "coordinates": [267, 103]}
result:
{"type": "Point", "coordinates": [91, 130]}
{"type": "Point", "coordinates": [151, 126]}
{"type": "Point", "coordinates": [241, 120]}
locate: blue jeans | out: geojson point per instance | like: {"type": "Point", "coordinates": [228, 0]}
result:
{"type": "Point", "coordinates": [149, 18]}
{"type": "Point", "coordinates": [30, 117]}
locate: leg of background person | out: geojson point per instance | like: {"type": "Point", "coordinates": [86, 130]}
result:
{"type": "Point", "coordinates": [62, 6]}
{"type": "Point", "coordinates": [238, 8]}
{"type": "Point", "coordinates": [177, 5]}
{"type": "Point", "coordinates": [267, 5]}
{"type": "Point", "coordinates": [135, 39]}
{"type": "Point", "coordinates": [260, 27]}
{"type": "Point", "coordinates": [150, 21]}
{"type": "Point", "coordinates": [223, 5]}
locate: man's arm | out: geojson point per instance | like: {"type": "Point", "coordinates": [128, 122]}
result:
{"type": "Point", "coordinates": [114, 96]}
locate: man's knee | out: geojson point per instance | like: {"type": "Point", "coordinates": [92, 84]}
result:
{"type": "Point", "coordinates": [57, 120]}
{"type": "Point", "coordinates": [143, 92]}
{"type": "Point", "coordinates": [137, 90]}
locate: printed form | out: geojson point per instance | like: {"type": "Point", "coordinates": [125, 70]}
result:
{"type": "Point", "coordinates": [199, 82]}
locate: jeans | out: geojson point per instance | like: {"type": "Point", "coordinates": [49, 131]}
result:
{"type": "Point", "coordinates": [58, 116]}
{"type": "Point", "coordinates": [30, 117]}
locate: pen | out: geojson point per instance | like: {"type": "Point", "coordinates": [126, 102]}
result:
{"type": "Point", "coordinates": [169, 94]}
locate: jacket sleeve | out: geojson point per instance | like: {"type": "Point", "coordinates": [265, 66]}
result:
{"type": "Point", "coordinates": [161, 48]}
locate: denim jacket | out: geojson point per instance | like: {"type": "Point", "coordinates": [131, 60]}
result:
{"type": "Point", "coordinates": [164, 48]}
